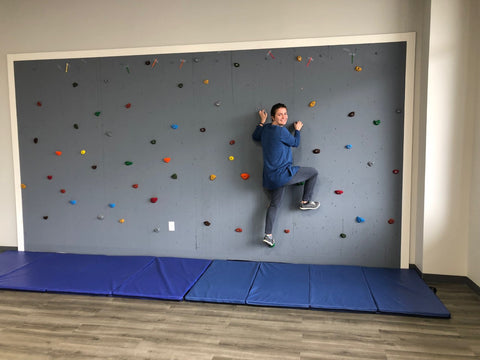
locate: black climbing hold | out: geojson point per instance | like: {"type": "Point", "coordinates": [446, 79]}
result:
{"type": "Point", "coordinates": [153, 142]}
{"type": "Point", "coordinates": [147, 62]}
{"type": "Point", "coordinates": [94, 167]}
{"type": "Point", "coordinates": [236, 65]}
{"type": "Point", "coordinates": [75, 84]}
{"type": "Point", "coordinates": [316, 151]}
{"type": "Point", "coordinates": [75, 126]}
{"type": "Point", "coordinates": [180, 85]}
{"type": "Point", "coordinates": [35, 140]}
{"type": "Point", "coordinates": [351, 114]}
{"type": "Point", "coordinates": [206, 223]}
{"type": "Point", "coordinates": [45, 217]}
{"type": "Point", "coordinates": [202, 129]}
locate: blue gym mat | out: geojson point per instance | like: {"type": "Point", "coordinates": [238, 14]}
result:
{"type": "Point", "coordinates": [74, 273]}
{"type": "Point", "coordinates": [281, 285]}
{"type": "Point", "coordinates": [13, 260]}
{"type": "Point", "coordinates": [400, 291]}
{"type": "Point", "coordinates": [337, 287]}
{"type": "Point", "coordinates": [225, 282]}
{"type": "Point", "coordinates": [164, 278]}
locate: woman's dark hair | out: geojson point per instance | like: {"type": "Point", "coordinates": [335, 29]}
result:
{"type": "Point", "coordinates": [276, 107]}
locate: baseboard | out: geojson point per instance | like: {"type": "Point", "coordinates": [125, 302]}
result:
{"type": "Point", "coordinates": [7, 248]}
{"type": "Point", "coordinates": [447, 279]}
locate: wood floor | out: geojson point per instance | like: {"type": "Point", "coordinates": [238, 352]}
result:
{"type": "Point", "coordinates": [58, 326]}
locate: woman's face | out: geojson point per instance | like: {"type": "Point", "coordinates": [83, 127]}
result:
{"type": "Point", "coordinates": [281, 117]}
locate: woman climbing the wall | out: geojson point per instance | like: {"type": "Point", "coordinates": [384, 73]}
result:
{"type": "Point", "coordinates": [278, 169]}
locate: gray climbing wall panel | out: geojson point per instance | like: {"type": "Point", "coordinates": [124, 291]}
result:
{"type": "Point", "coordinates": [56, 105]}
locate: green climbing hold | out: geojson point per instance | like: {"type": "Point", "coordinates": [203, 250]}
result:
{"type": "Point", "coordinates": [343, 236]}
{"type": "Point", "coordinates": [174, 176]}
{"type": "Point", "coordinates": [300, 183]}
{"type": "Point", "coordinates": [75, 126]}
{"type": "Point", "coordinates": [97, 113]}
{"type": "Point", "coordinates": [128, 163]}
{"type": "Point", "coordinates": [376, 122]}
{"type": "Point", "coordinates": [153, 142]}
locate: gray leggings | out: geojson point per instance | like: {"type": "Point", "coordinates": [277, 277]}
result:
{"type": "Point", "coordinates": [307, 174]}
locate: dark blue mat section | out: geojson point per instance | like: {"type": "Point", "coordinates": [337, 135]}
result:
{"type": "Point", "coordinates": [281, 285]}
{"type": "Point", "coordinates": [340, 288]}
{"type": "Point", "coordinates": [400, 291]}
{"type": "Point", "coordinates": [224, 281]}
{"type": "Point", "coordinates": [14, 260]}
{"type": "Point", "coordinates": [74, 273]}
{"type": "Point", "coordinates": [165, 278]}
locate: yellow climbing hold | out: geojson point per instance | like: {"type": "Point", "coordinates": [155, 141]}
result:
{"type": "Point", "coordinates": [206, 81]}
{"type": "Point", "coordinates": [121, 221]}
{"type": "Point", "coordinates": [231, 158]}
{"type": "Point", "coordinates": [312, 103]}
{"type": "Point", "coordinates": [83, 152]}
{"type": "Point", "coordinates": [358, 68]}
{"type": "Point", "coordinates": [299, 58]}
{"type": "Point", "coordinates": [24, 186]}
{"type": "Point", "coordinates": [213, 177]}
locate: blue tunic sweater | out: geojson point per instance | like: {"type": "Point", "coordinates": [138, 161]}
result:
{"type": "Point", "coordinates": [277, 154]}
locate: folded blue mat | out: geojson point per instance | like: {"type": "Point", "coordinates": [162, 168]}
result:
{"type": "Point", "coordinates": [340, 288]}
{"type": "Point", "coordinates": [74, 273]}
{"type": "Point", "coordinates": [224, 281]}
{"type": "Point", "coordinates": [14, 260]}
{"type": "Point", "coordinates": [165, 278]}
{"type": "Point", "coordinates": [281, 285]}
{"type": "Point", "coordinates": [400, 291]}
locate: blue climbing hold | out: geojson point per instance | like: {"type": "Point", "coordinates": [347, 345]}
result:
{"type": "Point", "coordinates": [360, 219]}
{"type": "Point", "coordinates": [112, 205]}
{"type": "Point", "coordinates": [73, 202]}
{"type": "Point", "coordinates": [174, 126]}
{"type": "Point", "coordinates": [348, 146]}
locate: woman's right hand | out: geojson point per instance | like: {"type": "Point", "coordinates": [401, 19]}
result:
{"type": "Point", "coordinates": [263, 116]}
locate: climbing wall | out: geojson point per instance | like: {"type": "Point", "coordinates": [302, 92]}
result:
{"type": "Point", "coordinates": [153, 155]}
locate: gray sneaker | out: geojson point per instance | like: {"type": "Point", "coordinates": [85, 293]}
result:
{"type": "Point", "coordinates": [268, 239]}
{"type": "Point", "coordinates": [311, 205]}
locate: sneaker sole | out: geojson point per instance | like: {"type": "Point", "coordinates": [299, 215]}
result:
{"type": "Point", "coordinates": [269, 244]}
{"type": "Point", "coordinates": [315, 208]}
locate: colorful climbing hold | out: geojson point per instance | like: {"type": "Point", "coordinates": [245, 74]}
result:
{"type": "Point", "coordinates": [343, 236]}
{"type": "Point", "coordinates": [153, 200]}
{"type": "Point", "coordinates": [73, 202]}
{"type": "Point", "coordinates": [359, 219]}
{"type": "Point", "coordinates": [203, 129]}
{"type": "Point", "coordinates": [238, 230]}
{"type": "Point", "coordinates": [244, 176]}
{"type": "Point", "coordinates": [166, 160]}
{"type": "Point", "coordinates": [49, 177]}
{"type": "Point", "coordinates": [391, 221]}
{"type": "Point", "coordinates": [351, 114]}
{"type": "Point", "coordinates": [349, 146]}
{"type": "Point", "coordinates": [97, 113]}
{"type": "Point", "coordinates": [376, 122]}
{"type": "Point", "coordinates": [63, 191]}
{"type": "Point", "coordinates": [358, 68]}
{"type": "Point", "coordinates": [396, 171]}
{"type": "Point", "coordinates": [135, 186]}
{"type": "Point", "coordinates": [23, 186]}
{"type": "Point", "coordinates": [286, 231]}
{"type": "Point", "coordinates": [35, 140]}
{"type": "Point", "coordinates": [207, 223]}
{"type": "Point", "coordinates": [58, 153]}
{"type": "Point", "coordinates": [121, 221]}
{"type": "Point", "coordinates": [299, 58]}
{"type": "Point", "coordinates": [174, 176]}
{"type": "Point", "coordinates": [128, 106]}
{"type": "Point", "coordinates": [213, 177]}
{"type": "Point", "coordinates": [232, 142]}
{"type": "Point", "coordinates": [174, 126]}
{"type": "Point", "coordinates": [206, 81]}
{"type": "Point", "coordinates": [231, 158]}
{"type": "Point", "coordinates": [316, 151]}
{"type": "Point", "coordinates": [339, 192]}
{"type": "Point", "coordinates": [153, 142]}
{"type": "Point", "coordinates": [75, 126]}
{"type": "Point", "coordinates": [83, 152]}
{"type": "Point", "coordinates": [312, 103]}
{"type": "Point", "coordinates": [128, 163]}
{"type": "Point", "coordinates": [75, 84]}
{"type": "Point", "coordinates": [112, 205]}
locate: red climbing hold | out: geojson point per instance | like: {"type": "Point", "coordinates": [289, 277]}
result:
{"type": "Point", "coordinates": [339, 192]}
{"type": "Point", "coordinates": [128, 106]}
{"type": "Point", "coordinates": [63, 191]}
{"type": "Point", "coordinates": [391, 221]}
{"type": "Point", "coordinates": [245, 176]}
{"type": "Point", "coordinates": [232, 142]}
{"type": "Point", "coordinates": [286, 231]}
{"type": "Point", "coordinates": [153, 200]}
{"type": "Point", "coordinates": [49, 177]}
{"type": "Point", "coordinates": [396, 171]}
{"type": "Point", "coordinates": [238, 230]}
{"type": "Point", "coordinates": [39, 103]}
{"type": "Point", "coordinates": [135, 186]}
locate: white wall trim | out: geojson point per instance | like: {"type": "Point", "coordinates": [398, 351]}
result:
{"type": "Point", "coordinates": [409, 38]}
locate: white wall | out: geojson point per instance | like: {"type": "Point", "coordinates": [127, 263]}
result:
{"type": "Point", "coordinates": [448, 158]}
{"type": "Point", "coordinates": [474, 239]}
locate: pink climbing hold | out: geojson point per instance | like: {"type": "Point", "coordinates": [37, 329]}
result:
{"type": "Point", "coordinates": [339, 192]}
{"type": "Point", "coordinates": [396, 171]}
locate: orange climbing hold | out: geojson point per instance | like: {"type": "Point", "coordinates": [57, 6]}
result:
{"type": "Point", "coordinates": [58, 153]}
{"type": "Point", "coordinates": [238, 230]}
{"type": "Point", "coordinates": [166, 160]}
{"type": "Point", "coordinates": [244, 176]}
{"type": "Point", "coordinates": [213, 177]}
